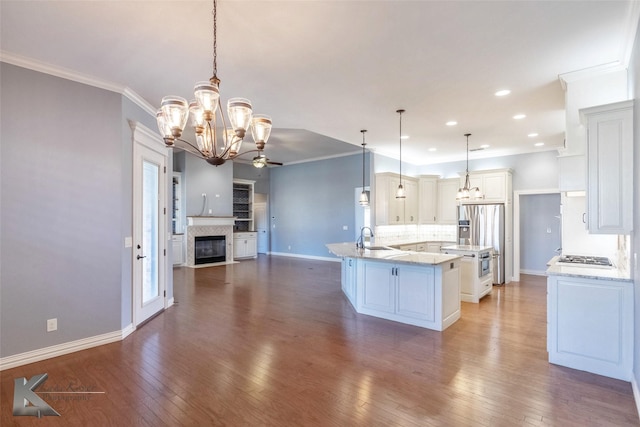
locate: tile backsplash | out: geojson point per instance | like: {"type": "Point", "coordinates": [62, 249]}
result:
{"type": "Point", "coordinates": [398, 234]}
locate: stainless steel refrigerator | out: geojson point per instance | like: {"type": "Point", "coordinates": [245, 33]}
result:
{"type": "Point", "coordinates": [483, 225]}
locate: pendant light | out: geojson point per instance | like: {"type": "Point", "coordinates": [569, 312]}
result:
{"type": "Point", "coordinates": [215, 143]}
{"type": "Point", "coordinates": [466, 192]}
{"type": "Point", "coordinates": [400, 191]}
{"type": "Point", "coordinates": [364, 196]}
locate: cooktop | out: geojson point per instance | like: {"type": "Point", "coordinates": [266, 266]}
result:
{"type": "Point", "coordinates": [591, 261]}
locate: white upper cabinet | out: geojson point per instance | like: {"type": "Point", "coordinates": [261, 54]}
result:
{"type": "Point", "coordinates": [609, 167]}
{"type": "Point", "coordinates": [392, 211]}
{"type": "Point", "coordinates": [411, 201]}
{"type": "Point", "coordinates": [495, 185]}
{"type": "Point", "coordinates": [447, 203]}
{"type": "Point", "coordinates": [428, 199]}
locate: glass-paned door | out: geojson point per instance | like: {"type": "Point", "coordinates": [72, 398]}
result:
{"type": "Point", "coordinates": [149, 226]}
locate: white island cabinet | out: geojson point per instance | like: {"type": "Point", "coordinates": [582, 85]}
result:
{"type": "Point", "coordinates": [421, 289]}
{"type": "Point", "coordinates": [590, 320]}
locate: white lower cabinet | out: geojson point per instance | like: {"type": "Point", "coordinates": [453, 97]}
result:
{"type": "Point", "coordinates": [434, 247]}
{"type": "Point", "coordinates": [427, 296]}
{"type": "Point", "coordinates": [472, 287]}
{"type": "Point", "coordinates": [349, 279]}
{"type": "Point", "coordinates": [245, 245]}
{"type": "Point", "coordinates": [177, 241]}
{"type": "Point", "coordinates": [590, 325]}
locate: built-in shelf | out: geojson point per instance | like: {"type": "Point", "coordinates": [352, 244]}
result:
{"type": "Point", "coordinates": [243, 205]}
{"type": "Point", "coordinates": [177, 216]}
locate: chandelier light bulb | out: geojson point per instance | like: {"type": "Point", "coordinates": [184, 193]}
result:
{"type": "Point", "coordinates": [260, 129]}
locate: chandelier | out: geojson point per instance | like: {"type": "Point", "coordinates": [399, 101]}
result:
{"type": "Point", "coordinates": [466, 192]}
{"type": "Point", "coordinates": [215, 142]}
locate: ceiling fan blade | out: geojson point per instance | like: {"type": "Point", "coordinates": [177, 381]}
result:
{"type": "Point", "coordinates": [274, 163]}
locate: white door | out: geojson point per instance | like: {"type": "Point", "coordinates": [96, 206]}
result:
{"type": "Point", "coordinates": [149, 231]}
{"type": "Point", "coordinates": [262, 227]}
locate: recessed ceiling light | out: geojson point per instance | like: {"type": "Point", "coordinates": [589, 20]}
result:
{"type": "Point", "coordinates": [451, 123]}
{"type": "Point", "coordinates": [503, 92]}
{"type": "Point", "coordinates": [539, 144]}
{"type": "Point", "coordinates": [433, 149]}
{"type": "Point", "coordinates": [404, 137]}
{"type": "Point", "coordinates": [485, 146]}
{"type": "Point", "coordinates": [519, 116]}
{"type": "Point", "coordinates": [532, 135]}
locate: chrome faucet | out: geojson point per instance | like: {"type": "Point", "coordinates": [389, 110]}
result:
{"type": "Point", "coordinates": [360, 241]}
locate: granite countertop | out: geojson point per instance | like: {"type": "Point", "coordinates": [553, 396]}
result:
{"type": "Point", "coordinates": [349, 250]}
{"type": "Point", "coordinates": [466, 248]}
{"type": "Point", "coordinates": [586, 271]}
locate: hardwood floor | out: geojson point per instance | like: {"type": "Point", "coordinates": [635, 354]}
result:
{"type": "Point", "coordinates": [274, 342]}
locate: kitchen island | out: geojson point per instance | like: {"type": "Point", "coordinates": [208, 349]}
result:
{"type": "Point", "coordinates": [476, 274]}
{"type": "Point", "coordinates": [417, 288]}
{"type": "Point", "coordinates": [590, 319]}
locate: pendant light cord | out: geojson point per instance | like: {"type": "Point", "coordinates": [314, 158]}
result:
{"type": "Point", "coordinates": [400, 112]}
{"type": "Point", "coordinates": [363, 144]}
{"type": "Point", "coordinates": [215, 38]}
{"type": "Point", "coordinates": [467, 135]}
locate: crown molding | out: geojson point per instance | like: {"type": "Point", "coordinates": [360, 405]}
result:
{"type": "Point", "coordinates": [626, 50]}
{"type": "Point", "coordinates": [597, 70]}
{"type": "Point", "coordinates": [65, 73]}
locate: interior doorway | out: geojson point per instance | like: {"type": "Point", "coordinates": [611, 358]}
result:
{"type": "Point", "coordinates": [536, 230]}
{"type": "Point", "coordinates": [262, 226]}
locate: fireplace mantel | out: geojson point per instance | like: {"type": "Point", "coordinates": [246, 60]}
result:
{"type": "Point", "coordinates": [211, 220]}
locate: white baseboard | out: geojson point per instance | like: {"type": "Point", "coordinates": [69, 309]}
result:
{"type": "Point", "coordinates": [170, 302]}
{"type": "Point", "coordinates": [636, 392]}
{"type": "Point", "coordinates": [64, 348]}
{"type": "Point", "coordinates": [128, 330]}
{"type": "Point", "coordinates": [317, 258]}
{"type": "Point", "coordinates": [534, 272]}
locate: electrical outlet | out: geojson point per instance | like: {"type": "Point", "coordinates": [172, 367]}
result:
{"type": "Point", "coordinates": [344, 227]}
{"type": "Point", "coordinates": [52, 325]}
{"type": "Point", "coordinates": [289, 247]}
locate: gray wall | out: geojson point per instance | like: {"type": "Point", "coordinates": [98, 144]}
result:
{"type": "Point", "coordinates": [311, 202]}
{"type": "Point", "coordinates": [215, 181]}
{"type": "Point", "coordinates": [259, 175]}
{"type": "Point", "coordinates": [539, 231]}
{"type": "Point", "coordinates": [61, 210]}
{"type": "Point", "coordinates": [66, 195]}
{"type": "Point", "coordinates": [532, 171]}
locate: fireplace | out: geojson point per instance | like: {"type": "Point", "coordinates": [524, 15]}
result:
{"type": "Point", "coordinates": [210, 249]}
{"type": "Point", "coordinates": [220, 229]}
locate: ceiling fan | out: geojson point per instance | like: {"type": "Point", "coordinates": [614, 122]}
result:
{"type": "Point", "coordinates": [261, 161]}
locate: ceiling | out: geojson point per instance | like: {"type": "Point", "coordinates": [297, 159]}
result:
{"type": "Point", "coordinates": [324, 70]}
